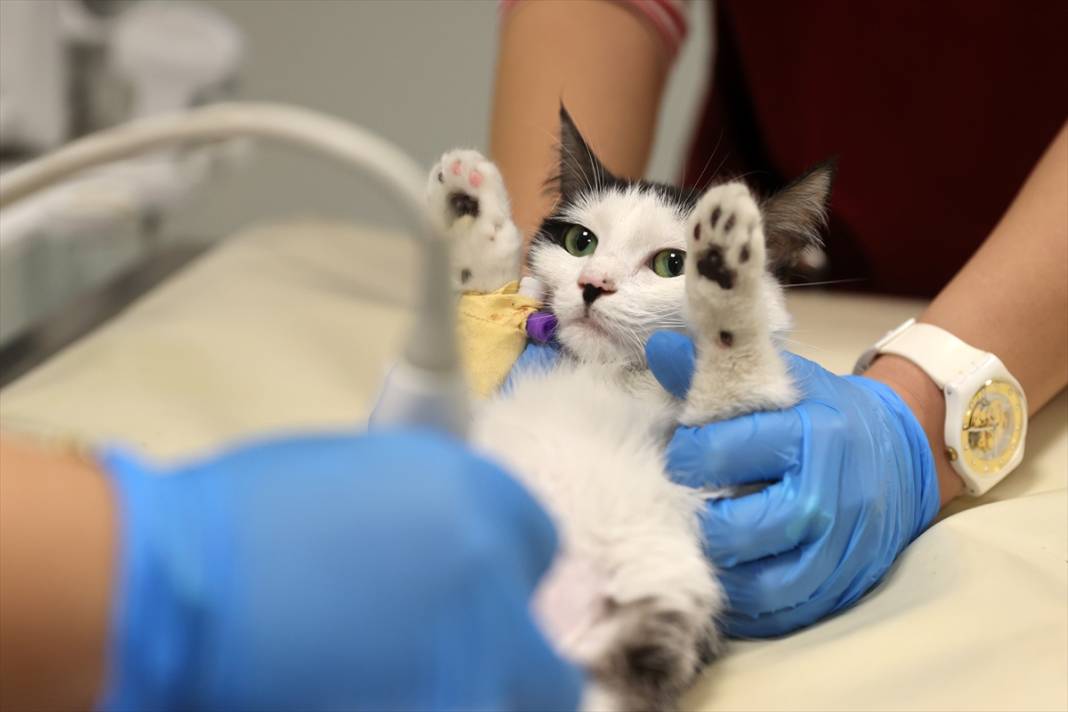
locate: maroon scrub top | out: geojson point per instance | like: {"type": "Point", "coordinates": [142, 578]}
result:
{"type": "Point", "coordinates": [937, 111]}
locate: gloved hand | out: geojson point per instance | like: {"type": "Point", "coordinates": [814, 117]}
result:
{"type": "Point", "coordinates": [535, 357]}
{"type": "Point", "coordinates": [390, 571]}
{"type": "Point", "coordinates": [852, 483]}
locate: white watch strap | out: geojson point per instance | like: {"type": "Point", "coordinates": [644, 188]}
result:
{"type": "Point", "coordinates": [943, 356]}
{"type": "Point", "coordinates": [940, 354]}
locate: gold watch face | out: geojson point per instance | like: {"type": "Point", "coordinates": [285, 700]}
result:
{"type": "Point", "coordinates": [993, 426]}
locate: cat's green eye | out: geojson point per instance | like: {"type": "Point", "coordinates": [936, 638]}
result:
{"type": "Point", "coordinates": [668, 263]}
{"type": "Point", "coordinates": [579, 241]}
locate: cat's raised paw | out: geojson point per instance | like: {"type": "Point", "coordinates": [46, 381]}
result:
{"type": "Point", "coordinates": [731, 300]}
{"type": "Point", "coordinates": [468, 202]}
{"type": "Point", "coordinates": [725, 240]}
{"type": "Point", "coordinates": [465, 184]}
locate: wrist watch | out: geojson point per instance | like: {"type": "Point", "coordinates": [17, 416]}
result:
{"type": "Point", "coordinates": [986, 409]}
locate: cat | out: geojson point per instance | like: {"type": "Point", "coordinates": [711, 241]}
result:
{"type": "Point", "coordinates": [631, 597]}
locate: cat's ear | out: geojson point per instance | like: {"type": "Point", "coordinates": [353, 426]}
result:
{"type": "Point", "coordinates": [796, 215]}
{"type": "Point", "coordinates": [580, 169]}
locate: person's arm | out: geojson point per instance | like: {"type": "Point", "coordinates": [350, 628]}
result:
{"type": "Point", "coordinates": [1011, 299]}
{"type": "Point", "coordinates": [236, 581]}
{"type": "Point", "coordinates": [857, 467]}
{"type": "Point", "coordinates": [57, 536]}
{"type": "Point", "coordinates": [603, 61]}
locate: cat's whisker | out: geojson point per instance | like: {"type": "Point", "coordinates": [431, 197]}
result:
{"type": "Point", "coordinates": [708, 161]}
{"type": "Point", "coordinates": [631, 334]}
{"type": "Point", "coordinates": [825, 283]}
{"type": "Point", "coordinates": [721, 163]}
{"type": "Point", "coordinates": [785, 340]}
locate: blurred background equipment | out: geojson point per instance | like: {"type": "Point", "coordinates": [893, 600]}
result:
{"type": "Point", "coordinates": [426, 386]}
{"type": "Point", "coordinates": [71, 67]}
{"type": "Point", "coordinates": [395, 68]}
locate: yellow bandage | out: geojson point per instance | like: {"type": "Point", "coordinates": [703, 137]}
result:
{"type": "Point", "coordinates": [492, 329]}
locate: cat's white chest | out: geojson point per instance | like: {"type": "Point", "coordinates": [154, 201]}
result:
{"type": "Point", "coordinates": [591, 450]}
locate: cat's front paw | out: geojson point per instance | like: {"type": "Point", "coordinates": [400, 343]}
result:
{"type": "Point", "coordinates": [725, 240]}
{"type": "Point", "coordinates": [465, 184]}
{"type": "Point", "coordinates": [468, 201]}
{"type": "Point", "coordinates": [731, 300]}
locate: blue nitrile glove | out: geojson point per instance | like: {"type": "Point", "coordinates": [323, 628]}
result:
{"type": "Point", "coordinates": [380, 572]}
{"type": "Point", "coordinates": [853, 482]}
{"type": "Point", "coordinates": [535, 357]}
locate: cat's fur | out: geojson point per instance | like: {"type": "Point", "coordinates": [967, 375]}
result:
{"type": "Point", "coordinates": [631, 596]}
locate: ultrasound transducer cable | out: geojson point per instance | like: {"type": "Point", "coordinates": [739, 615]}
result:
{"type": "Point", "coordinates": [426, 386]}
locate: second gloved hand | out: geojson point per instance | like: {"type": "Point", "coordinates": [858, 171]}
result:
{"type": "Point", "coordinates": [852, 483]}
{"type": "Point", "coordinates": [535, 358]}
{"type": "Point", "coordinates": [389, 571]}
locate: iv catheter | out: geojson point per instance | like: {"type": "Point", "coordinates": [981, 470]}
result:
{"type": "Point", "coordinates": [426, 387]}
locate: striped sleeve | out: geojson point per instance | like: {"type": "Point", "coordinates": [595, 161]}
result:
{"type": "Point", "coordinates": [668, 18]}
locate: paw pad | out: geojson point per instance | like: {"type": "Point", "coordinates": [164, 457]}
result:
{"type": "Point", "coordinates": [714, 217]}
{"type": "Point", "coordinates": [711, 265]}
{"type": "Point", "coordinates": [735, 242]}
{"type": "Point", "coordinates": [463, 204]}
{"type": "Point", "coordinates": [463, 179]}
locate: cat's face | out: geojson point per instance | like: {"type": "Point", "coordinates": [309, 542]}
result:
{"type": "Point", "coordinates": [611, 255]}
{"type": "Point", "coordinates": [611, 262]}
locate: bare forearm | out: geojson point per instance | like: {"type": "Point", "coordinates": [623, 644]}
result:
{"type": "Point", "coordinates": [603, 63]}
{"type": "Point", "coordinates": [1012, 296]}
{"type": "Point", "coordinates": [56, 561]}
{"type": "Point", "coordinates": [1011, 299]}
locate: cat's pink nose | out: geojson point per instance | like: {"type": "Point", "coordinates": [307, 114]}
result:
{"type": "Point", "coordinates": [605, 284]}
{"type": "Point", "coordinates": [594, 287]}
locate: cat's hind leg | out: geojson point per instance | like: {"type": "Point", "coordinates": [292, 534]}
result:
{"type": "Point", "coordinates": [468, 202]}
{"type": "Point", "coordinates": [657, 630]}
{"type": "Point", "coordinates": [731, 299]}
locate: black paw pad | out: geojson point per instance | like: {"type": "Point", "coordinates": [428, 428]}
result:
{"type": "Point", "coordinates": [714, 217]}
{"type": "Point", "coordinates": [744, 256]}
{"type": "Point", "coordinates": [463, 204]}
{"type": "Point", "coordinates": [465, 275]}
{"type": "Point", "coordinates": [726, 338]}
{"type": "Point", "coordinates": [729, 224]}
{"type": "Point", "coordinates": [650, 662]}
{"type": "Point", "coordinates": [707, 650]}
{"type": "Point", "coordinates": [711, 265]}
{"type": "Point", "coordinates": [697, 232]}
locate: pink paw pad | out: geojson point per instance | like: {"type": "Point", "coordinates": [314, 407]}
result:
{"type": "Point", "coordinates": [475, 179]}
{"type": "Point", "coordinates": [456, 167]}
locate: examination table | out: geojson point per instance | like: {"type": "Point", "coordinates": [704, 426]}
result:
{"type": "Point", "coordinates": [289, 327]}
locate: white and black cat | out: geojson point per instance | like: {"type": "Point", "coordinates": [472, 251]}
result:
{"type": "Point", "coordinates": [631, 596]}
